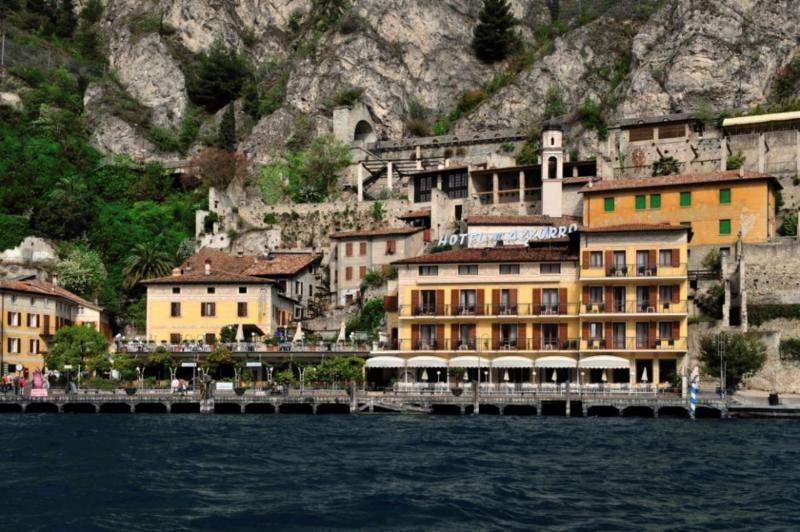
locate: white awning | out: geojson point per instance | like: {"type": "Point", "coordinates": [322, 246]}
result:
{"type": "Point", "coordinates": [556, 362]}
{"type": "Point", "coordinates": [605, 362]}
{"type": "Point", "coordinates": [427, 362]}
{"type": "Point", "coordinates": [385, 362]}
{"type": "Point", "coordinates": [512, 362]}
{"type": "Point", "coordinates": [469, 362]}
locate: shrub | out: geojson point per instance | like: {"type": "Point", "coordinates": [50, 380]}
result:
{"type": "Point", "coordinates": [13, 230]}
{"type": "Point", "coordinates": [368, 318]}
{"type": "Point", "coordinates": [790, 349]}
{"type": "Point", "coordinates": [270, 218]}
{"type": "Point", "coordinates": [735, 161]}
{"type": "Point", "coordinates": [217, 168]}
{"type": "Point", "coordinates": [440, 127]}
{"type": "Point", "coordinates": [271, 183]}
{"type": "Point", "coordinates": [82, 272]}
{"type": "Point", "coordinates": [190, 128]}
{"type": "Point", "coordinates": [163, 139]}
{"type": "Point", "coordinates": [227, 130]}
{"type": "Point", "coordinates": [209, 221]}
{"type": "Point", "coordinates": [418, 127]}
{"type": "Point", "coordinates": [216, 77]}
{"type": "Point", "coordinates": [787, 80]}
{"type": "Point", "coordinates": [319, 170]}
{"type": "Point", "coordinates": [470, 100]}
{"type": "Point", "coordinates": [142, 24]}
{"type": "Point", "coordinates": [347, 96]}
{"type": "Point", "coordinates": [744, 355]}
{"type": "Point", "coordinates": [507, 147]}
{"type": "Point", "coordinates": [713, 261]}
{"type": "Point", "coordinates": [789, 227]}
{"type": "Point", "coordinates": [758, 314]}
{"type": "Point", "coordinates": [554, 103]}
{"type": "Point", "coordinates": [711, 301]}
{"type": "Point", "coordinates": [493, 37]}
{"type": "Point", "coordinates": [592, 118]}
{"type": "Point", "coordinates": [666, 166]}
{"type": "Point", "coordinates": [378, 211]}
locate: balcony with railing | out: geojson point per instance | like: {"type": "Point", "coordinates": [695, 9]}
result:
{"type": "Point", "coordinates": [635, 307]}
{"type": "Point", "coordinates": [490, 310]}
{"type": "Point", "coordinates": [634, 343]}
{"type": "Point", "coordinates": [635, 271]}
{"type": "Point", "coordinates": [546, 343]}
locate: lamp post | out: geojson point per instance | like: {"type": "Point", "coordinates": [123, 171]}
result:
{"type": "Point", "coordinates": [722, 343]}
{"type": "Point", "coordinates": [302, 371]}
{"type": "Point", "coordinates": [438, 375]}
{"type": "Point", "coordinates": [140, 377]}
{"type": "Point", "coordinates": [580, 384]}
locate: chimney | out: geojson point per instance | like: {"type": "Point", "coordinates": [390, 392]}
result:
{"type": "Point", "coordinates": [208, 267]}
{"type": "Point", "coordinates": [240, 253]}
{"type": "Point", "coordinates": [54, 279]}
{"type": "Point", "coordinates": [176, 272]}
{"type": "Point", "coordinates": [741, 171]}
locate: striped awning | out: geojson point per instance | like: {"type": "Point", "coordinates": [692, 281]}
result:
{"type": "Point", "coordinates": [605, 362]}
{"type": "Point", "coordinates": [556, 362]}
{"type": "Point", "coordinates": [427, 362]}
{"type": "Point", "coordinates": [512, 362]}
{"type": "Point", "coordinates": [385, 362]}
{"type": "Point", "coordinates": [469, 362]}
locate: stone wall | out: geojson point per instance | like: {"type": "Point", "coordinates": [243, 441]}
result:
{"type": "Point", "coordinates": [772, 271]}
{"type": "Point", "coordinates": [776, 375]}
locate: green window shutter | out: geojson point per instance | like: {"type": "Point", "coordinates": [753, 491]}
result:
{"type": "Point", "coordinates": [641, 202]}
{"type": "Point", "coordinates": [608, 203]}
{"type": "Point", "coordinates": [686, 199]}
{"type": "Point", "coordinates": [724, 195]}
{"type": "Point", "coordinates": [724, 227]}
{"type": "Point", "coordinates": [655, 201]}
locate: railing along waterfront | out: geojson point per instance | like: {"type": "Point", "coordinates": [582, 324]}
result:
{"type": "Point", "coordinates": [188, 348]}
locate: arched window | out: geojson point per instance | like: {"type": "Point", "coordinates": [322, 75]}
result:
{"type": "Point", "coordinates": [364, 132]}
{"type": "Point", "coordinates": [552, 141]}
{"type": "Point", "coordinates": [552, 168]}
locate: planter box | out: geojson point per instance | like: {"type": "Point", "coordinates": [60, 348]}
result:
{"type": "Point", "coordinates": [130, 391]}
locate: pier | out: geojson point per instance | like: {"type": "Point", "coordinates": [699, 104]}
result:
{"type": "Point", "coordinates": [342, 402]}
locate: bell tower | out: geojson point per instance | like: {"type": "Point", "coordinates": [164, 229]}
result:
{"type": "Point", "coordinates": [552, 167]}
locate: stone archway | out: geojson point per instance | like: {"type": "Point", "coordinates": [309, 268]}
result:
{"type": "Point", "coordinates": [364, 132]}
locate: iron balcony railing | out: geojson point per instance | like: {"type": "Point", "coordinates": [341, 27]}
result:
{"type": "Point", "coordinates": [546, 343]}
{"type": "Point", "coordinates": [636, 307]}
{"type": "Point", "coordinates": [630, 343]}
{"type": "Point", "coordinates": [516, 309]}
{"type": "Point", "coordinates": [634, 270]}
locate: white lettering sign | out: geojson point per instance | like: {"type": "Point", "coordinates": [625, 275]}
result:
{"type": "Point", "coordinates": [518, 235]}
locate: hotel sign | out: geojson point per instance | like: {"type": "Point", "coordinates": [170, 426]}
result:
{"type": "Point", "coordinates": [519, 235]}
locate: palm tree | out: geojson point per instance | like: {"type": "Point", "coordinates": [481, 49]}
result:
{"type": "Point", "coordinates": [146, 262]}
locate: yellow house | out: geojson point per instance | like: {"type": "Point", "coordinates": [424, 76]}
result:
{"type": "Point", "coordinates": [194, 306]}
{"type": "Point", "coordinates": [609, 308]}
{"type": "Point", "coordinates": [31, 312]}
{"type": "Point", "coordinates": [715, 206]}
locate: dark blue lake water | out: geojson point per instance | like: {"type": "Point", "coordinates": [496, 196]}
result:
{"type": "Point", "coordinates": [397, 472]}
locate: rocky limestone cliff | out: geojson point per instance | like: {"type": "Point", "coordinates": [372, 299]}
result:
{"type": "Point", "coordinates": [635, 58]}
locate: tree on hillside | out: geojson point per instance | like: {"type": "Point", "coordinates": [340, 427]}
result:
{"type": "Point", "coordinates": [227, 130]}
{"type": "Point", "coordinates": [82, 272]}
{"type": "Point", "coordinates": [68, 211]}
{"type": "Point", "coordinates": [146, 262]}
{"type": "Point", "coordinates": [744, 354]}
{"type": "Point", "coordinates": [217, 168]}
{"type": "Point", "coordinates": [74, 345]}
{"type": "Point", "coordinates": [493, 37]}
{"type": "Point", "coordinates": [216, 77]}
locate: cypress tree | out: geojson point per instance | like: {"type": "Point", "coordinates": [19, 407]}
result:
{"type": "Point", "coordinates": [494, 37]}
{"type": "Point", "coordinates": [227, 130]}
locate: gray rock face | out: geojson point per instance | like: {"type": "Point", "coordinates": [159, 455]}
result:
{"type": "Point", "coordinates": [147, 70]}
{"type": "Point", "coordinates": [722, 53]}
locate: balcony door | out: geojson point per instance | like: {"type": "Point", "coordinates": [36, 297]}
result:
{"type": "Point", "coordinates": [467, 300]}
{"type": "Point", "coordinates": [618, 297]}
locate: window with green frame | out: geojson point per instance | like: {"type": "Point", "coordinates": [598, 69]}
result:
{"type": "Point", "coordinates": [608, 204]}
{"type": "Point", "coordinates": [655, 201]}
{"type": "Point", "coordinates": [641, 202]}
{"type": "Point", "coordinates": [724, 195]}
{"type": "Point", "coordinates": [724, 227]}
{"type": "Point", "coordinates": [686, 199]}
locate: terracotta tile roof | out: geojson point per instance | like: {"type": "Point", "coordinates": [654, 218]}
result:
{"type": "Point", "coordinates": [497, 254]}
{"type": "Point", "coordinates": [220, 261]}
{"type": "Point", "coordinates": [42, 288]}
{"type": "Point", "coordinates": [281, 264]}
{"type": "Point", "coordinates": [386, 231]}
{"type": "Point", "coordinates": [212, 278]}
{"type": "Point", "coordinates": [675, 180]}
{"type": "Point", "coordinates": [578, 180]}
{"type": "Point", "coordinates": [633, 228]}
{"type": "Point", "coordinates": [421, 213]}
{"type": "Point", "coordinates": [531, 219]}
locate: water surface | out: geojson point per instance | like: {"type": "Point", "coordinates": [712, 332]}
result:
{"type": "Point", "coordinates": [150, 472]}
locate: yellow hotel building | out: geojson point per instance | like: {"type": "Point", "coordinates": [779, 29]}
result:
{"type": "Point", "coordinates": [32, 312]}
{"type": "Point", "coordinates": [608, 307]}
{"type": "Point", "coordinates": [715, 206]}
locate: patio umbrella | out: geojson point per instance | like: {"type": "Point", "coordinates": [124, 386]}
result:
{"type": "Point", "coordinates": [554, 378]}
{"type": "Point", "coordinates": [425, 375]}
{"type": "Point", "coordinates": [644, 375]}
{"type": "Point", "coordinates": [298, 334]}
{"type": "Point", "coordinates": [604, 378]}
{"type": "Point", "coordinates": [466, 376]}
{"type": "Point", "coordinates": [240, 333]}
{"type": "Point", "coordinates": [505, 376]}
{"type": "Point", "coordinates": [342, 336]}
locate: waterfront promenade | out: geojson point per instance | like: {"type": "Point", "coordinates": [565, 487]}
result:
{"type": "Point", "coordinates": [318, 401]}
